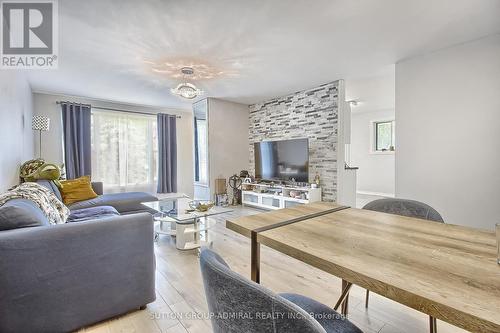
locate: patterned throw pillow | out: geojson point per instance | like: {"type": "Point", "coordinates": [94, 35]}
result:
{"type": "Point", "coordinates": [76, 190]}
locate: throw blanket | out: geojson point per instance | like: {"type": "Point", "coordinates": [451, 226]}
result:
{"type": "Point", "coordinates": [55, 211]}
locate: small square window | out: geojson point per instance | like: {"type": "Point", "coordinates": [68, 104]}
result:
{"type": "Point", "coordinates": [384, 136]}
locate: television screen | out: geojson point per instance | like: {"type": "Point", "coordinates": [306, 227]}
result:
{"type": "Point", "coordinates": [282, 160]}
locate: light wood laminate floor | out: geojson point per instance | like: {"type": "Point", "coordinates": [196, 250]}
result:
{"type": "Point", "coordinates": [180, 304]}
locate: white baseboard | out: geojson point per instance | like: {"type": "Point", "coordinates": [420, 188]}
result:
{"type": "Point", "coordinates": [379, 194]}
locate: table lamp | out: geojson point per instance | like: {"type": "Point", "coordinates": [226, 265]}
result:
{"type": "Point", "coordinates": [40, 123]}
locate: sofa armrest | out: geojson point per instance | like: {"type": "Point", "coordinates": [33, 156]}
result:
{"type": "Point", "coordinates": [98, 188]}
{"type": "Point", "coordinates": [68, 276]}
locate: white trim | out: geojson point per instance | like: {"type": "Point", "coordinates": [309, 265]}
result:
{"type": "Point", "coordinates": [382, 152]}
{"type": "Point", "coordinates": [341, 141]}
{"type": "Point", "coordinates": [379, 194]}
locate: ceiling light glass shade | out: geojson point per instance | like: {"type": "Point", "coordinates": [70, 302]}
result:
{"type": "Point", "coordinates": [187, 91]}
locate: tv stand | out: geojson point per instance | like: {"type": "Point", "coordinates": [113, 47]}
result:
{"type": "Point", "coordinates": [276, 196]}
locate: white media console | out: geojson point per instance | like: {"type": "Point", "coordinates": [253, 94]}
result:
{"type": "Point", "coordinates": [269, 196]}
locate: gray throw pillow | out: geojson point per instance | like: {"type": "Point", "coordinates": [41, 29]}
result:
{"type": "Point", "coordinates": [51, 186]}
{"type": "Point", "coordinates": [21, 213]}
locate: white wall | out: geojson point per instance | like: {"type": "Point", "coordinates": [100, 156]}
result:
{"type": "Point", "coordinates": [16, 135]}
{"type": "Point", "coordinates": [227, 139]}
{"type": "Point", "coordinates": [448, 131]}
{"type": "Point", "coordinates": [45, 104]}
{"type": "Point", "coordinates": [376, 172]}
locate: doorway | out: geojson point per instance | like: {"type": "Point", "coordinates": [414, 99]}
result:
{"type": "Point", "coordinates": [373, 127]}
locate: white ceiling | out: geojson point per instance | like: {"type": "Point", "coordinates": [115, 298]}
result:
{"type": "Point", "coordinates": [260, 49]}
{"type": "Point", "coordinates": [373, 93]}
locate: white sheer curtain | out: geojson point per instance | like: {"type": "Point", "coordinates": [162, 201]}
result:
{"type": "Point", "coordinates": [124, 151]}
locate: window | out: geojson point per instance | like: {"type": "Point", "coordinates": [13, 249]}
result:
{"type": "Point", "coordinates": [201, 151]}
{"type": "Point", "coordinates": [124, 151]}
{"type": "Point", "coordinates": [384, 136]}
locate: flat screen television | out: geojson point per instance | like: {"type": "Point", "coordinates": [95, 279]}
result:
{"type": "Point", "coordinates": [282, 160]}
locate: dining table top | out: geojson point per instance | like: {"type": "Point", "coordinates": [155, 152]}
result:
{"type": "Point", "coordinates": [246, 224]}
{"type": "Point", "coordinates": [446, 271]}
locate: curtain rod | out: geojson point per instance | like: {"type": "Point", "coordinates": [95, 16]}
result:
{"type": "Point", "coordinates": [111, 109]}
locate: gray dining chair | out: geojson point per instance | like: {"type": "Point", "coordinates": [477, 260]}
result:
{"type": "Point", "coordinates": [409, 208]}
{"type": "Point", "coordinates": [237, 304]}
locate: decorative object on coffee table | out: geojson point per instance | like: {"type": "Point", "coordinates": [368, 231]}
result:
{"type": "Point", "coordinates": [42, 124]}
{"type": "Point", "coordinates": [201, 206]}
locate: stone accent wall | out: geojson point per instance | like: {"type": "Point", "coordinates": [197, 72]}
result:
{"type": "Point", "coordinates": [309, 114]}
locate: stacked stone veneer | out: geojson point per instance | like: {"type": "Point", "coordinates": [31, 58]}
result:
{"type": "Point", "coordinates": [309, 114]}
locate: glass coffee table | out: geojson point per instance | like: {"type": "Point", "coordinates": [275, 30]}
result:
{"type": "Point", "coordinates": [176, 219]}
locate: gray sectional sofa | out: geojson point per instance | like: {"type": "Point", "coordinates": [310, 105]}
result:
{"type": "Point", "coordinates": [59, 278]}
{"type": "Point", "coordinates": [124, 203]}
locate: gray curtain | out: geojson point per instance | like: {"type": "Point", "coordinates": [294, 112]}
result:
{"type": "Point", "coordinates": [77, 146]}
{"type": "Point", "coordinates": [167, 151]}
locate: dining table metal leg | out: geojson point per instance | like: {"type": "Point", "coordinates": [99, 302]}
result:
{"type": "Point", "coordinates": [432, 324]}
{"type": "Point", "coordinates": [345, 304]}
{"type": "Point", "coordinates": [343, 301]}
{"type": "Point", "coordinates": [255, 258]}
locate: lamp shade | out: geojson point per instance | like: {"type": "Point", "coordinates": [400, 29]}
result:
{"type": "Point", "coordinates": [40, 123]}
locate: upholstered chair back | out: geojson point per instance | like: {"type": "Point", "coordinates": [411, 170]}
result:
{"type": "Point", "coordinates": [410, 208]}
{"type": "Point", "coordinates": [237, 304]}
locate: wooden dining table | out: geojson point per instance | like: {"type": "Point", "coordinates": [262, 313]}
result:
{"type": "Point", "coordinates": [447, 271]}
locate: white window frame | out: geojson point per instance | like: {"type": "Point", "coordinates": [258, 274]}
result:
{"type": "Point", "coordinates": [373, 136]}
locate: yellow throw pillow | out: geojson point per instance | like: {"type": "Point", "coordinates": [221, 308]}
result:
{"type": "Point", "coordinates": [75, 190]}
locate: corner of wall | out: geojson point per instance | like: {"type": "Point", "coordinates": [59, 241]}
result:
{"type": "Point", "coordinates": [16, 103]}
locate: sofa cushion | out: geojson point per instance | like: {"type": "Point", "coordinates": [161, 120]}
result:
{"type": "Point", "coordinates": [51, 186]}
{"type": "Point", "coordinates": [92, 213]}
{"type": "Point", "coordinates": [21, 213]}
{"type": "Point", "coordinates": [123, 202]}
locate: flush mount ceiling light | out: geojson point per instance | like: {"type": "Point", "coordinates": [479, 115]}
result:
{"type": "Point", "coordinates": [202, 70]}
{"type": "Point", "coordinates": [187, 90]}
